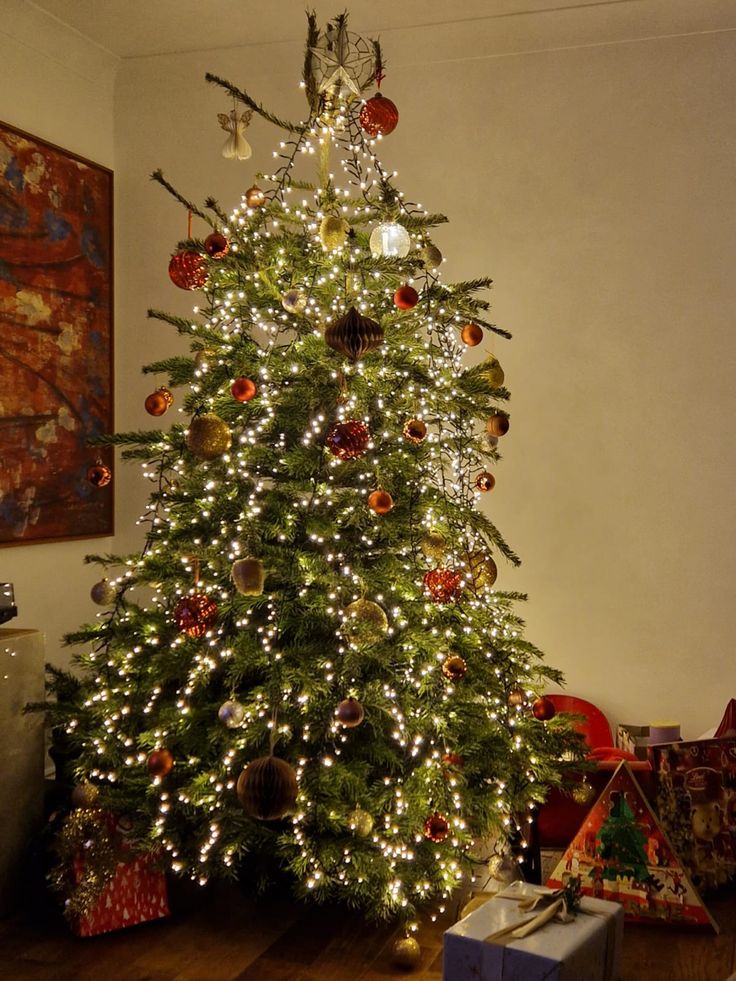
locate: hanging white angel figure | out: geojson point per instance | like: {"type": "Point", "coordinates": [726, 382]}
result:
{"type": "Point", "coordinates": [236, 146]}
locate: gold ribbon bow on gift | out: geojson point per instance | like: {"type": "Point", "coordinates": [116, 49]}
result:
{"type": "Point", "coordinates": [554, 905]}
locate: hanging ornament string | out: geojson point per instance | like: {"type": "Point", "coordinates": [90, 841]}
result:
{"type": "Point", "coordinates": [189, 224]}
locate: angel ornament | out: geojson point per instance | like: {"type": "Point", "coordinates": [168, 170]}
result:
{"type": "Point", "coordinates": [236, 146]}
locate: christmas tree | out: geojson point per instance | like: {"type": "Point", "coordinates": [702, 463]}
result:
{"type": "Point", "coordinates": [622, 844]}
{"type": "Point", "coordinates": [308, 669]}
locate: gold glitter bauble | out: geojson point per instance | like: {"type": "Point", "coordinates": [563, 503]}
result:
{"type": "Point", "coordinates": [208, 436]}
{"type": "Point", "coordinates": [583, 793]}
{"type": "Point", "coordinates": [333, 232]}
{"type": "Point", "coordinates": [365, 622]}
{"type": "Point", "coordinates": [481, 568]}
{"type": "Point", "coordinates": [360, 822]}
{"type": "Point", "coordinates": [433, 544]}
{"type": "Point", "coordinates": [406, 953]}
{"type": "Point", "coordinates": [492, 372]}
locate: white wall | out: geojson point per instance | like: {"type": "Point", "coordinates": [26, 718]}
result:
{"type": "Point", "coordinates": [57, 86]}
{"type": "Point", "coordinates": [595, 184]}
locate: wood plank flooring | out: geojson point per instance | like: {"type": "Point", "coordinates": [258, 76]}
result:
{"type": "Point", "coordinates": [222, 935]}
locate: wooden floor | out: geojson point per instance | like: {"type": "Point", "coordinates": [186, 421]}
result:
{"type": "Point", "coordinates": [220, 935]}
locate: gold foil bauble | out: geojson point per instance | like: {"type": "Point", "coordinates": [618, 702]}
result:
{"type": "Point", "coordinates": [454, 667]}
{"type": "Point", "coordinates": [492, 371]}
{"type": "Point", "coordinates": [406, 953]}
{"type": "Point", "coordinates": [471, 334]}
{"type": "Point", "coordinates": [353, 335]}
{"type": "Point", "coordinates": [195, 614]}
{"type": "Point", "coordinates": [267, 788]}
{"type": "Point", "coordinates": [349, 440]}
{"type": "Point", "coordinates": [231, 713]}
{"type": "Point", "coordinates": [365, 622]}
{"type": "Point", "coordinates": [415, 431]}
{"type": "Point", "coordinates": [254, 197]}
{"type": "Point", "coordinates": [583, 793]}
{"type": "Point", "coordinates": [432, 256]}
{"type": "Point", "coordinates": [433, 544]}
{"type": "Point", "coordinates": [248, 576]}
{"type": "Point", "coordinates": [485, 482]}
{"type": "Point", "coordinates": [160, 762]}
{"type": "Point", "coordinates": [482, 569]}
{"type": "Point", "coordinates": [443, 585]}
{"type": "Point", "coordinates": [208, 436]}
{"type": "Point", "coordinates": [544, 709]}
{"type": "Point", "coordinates": [360, 822]}
{"type": "Point", "coordinates": [349, 713]}
{"type": "Point", "coordinates": [294, 301]}
{"type": "Point", "coordinates": [333, 232]}
{"type": "Point", "coordinates": [436, 827]}
{"type": "Point", "coordinates": [380, 501]}
{"type": "Point", "coordinates": [497, 425]}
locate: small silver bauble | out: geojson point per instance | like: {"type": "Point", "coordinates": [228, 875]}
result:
{"type": "Point", "coordinates": [231, 713]}
{"type": "Point", "coordinates": [294, 301]}
{"type": "Point", "coordinates": [390, 239]}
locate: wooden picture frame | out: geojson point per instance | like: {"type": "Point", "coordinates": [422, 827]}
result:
{"type": "Point", "coordinates": [56, 341]}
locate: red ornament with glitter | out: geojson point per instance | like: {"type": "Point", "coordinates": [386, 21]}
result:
{"type": "Point", "coordinates": [443, 585]}
{"type": "Point", "coordinates": [195, 614]}
{"type": "Point", "coordinates": [436, 827]}
{"type": "Point", "coordinates": [379, 116]}
{"type": "Point", "coordinates": [349, 440]}
{"type": "Point", "coordinates": [188, 270]}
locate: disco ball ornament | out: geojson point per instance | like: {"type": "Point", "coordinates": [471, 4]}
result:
{"type": "Point", "coordinates": [443, 585]}
{"type": "Point", "coordinates": [378, 116]}
{"type": "Point", "coordinates": [267, 788]}
{"type": "Point", "coordinates": [216, 245]}
{"type": "Point", "coordinates": [406, 953]}
{"type": "Point", "coordinates": [231, 713]}
{"type": "Point", "coordinates": [433, 544]}
{"type": "Point", "coordinates": [188, 270]}
{"type": "Point", "coordinates": [348, 440]}
{"type": "Point", "coordinates": [390, 239]}
{"type": "Point", "coordinates": [349, 713]}
{"type": "Point", "coordinates": [380, 501]}
{"type": "Point", "coordinates": [406, 298]}
{"type": "Point", "coordinates": [543, 709]}
{"type": "Point", "coordinates": [360, 822]}
{"type": "Point", "coordinates": [497, 425]}
{"type": "Point", "coordinates": [454, 667]}
{"type": "Point", "coordinates": [482, 569]}
{"type": "Point", "coordinates": [432, 256]}
{"type": "Point", "coordinates": [159, 402]}
{"type": "Point", "coordinates": [333, 232]}
{"type": "Point", "coordinates": [195, 614]}
{"type": "Point", "coordinates": [415, 431]}
{"type": "Point", "coordinates": [160, 762]}
{"type": "Point", "coordinates": [294, 301]}
{"type": "Point", "coordinates": [254, 197]}
{"type": "Point", "coordinates": [103, 593]}
{"type": "Point", "coordinates": [208, 436]}
{"type": "Point", "coordinates": [436, 827]}
{"type": "Point", "coordinates": [485, 482]}
{"type": "Point", "coordinates": [249, 576]}
{"type": "Point", "coordinates": [353, 335]}
{"type": "Point", "coordinates": [243, 389]}
{"type": "Point", "coordinates": [471, 334]}
{"type": "Point", "coordinates": [365, 622]}
{"type": "Point", "coordinates": [99, 475]}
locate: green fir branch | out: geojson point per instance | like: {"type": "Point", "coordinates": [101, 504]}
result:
{"type": "Point", "coordinates": [241, 96]}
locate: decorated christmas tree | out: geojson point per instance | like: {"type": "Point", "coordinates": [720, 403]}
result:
{"type": "Point", "coordinates": [622, 843]}
{"type": "Point", "coordinates": [308, 669]}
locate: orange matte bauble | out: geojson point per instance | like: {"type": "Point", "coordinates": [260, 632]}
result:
{"type": "Point", "coordinates": [380, 501]}
{"type": "Point", "coordinates": [159, 402]}
{"type": "Point", "coordinates": [436, 827]}
{"type": "Point", "coordinates": [254, 197]}
{"type": "Point", "coordinates": [187, 270]}
{"type": "Point", "coordinates": [543, 709]}
{"type": "Point", "coordinates": [243, 389]}
{"type": "Point", "coordinates": [160, 762]}
{"type": "Point", "coordinates": [497, 425]}
{"type": "Point", "coordinates": [99, 475]}
{"type": "Point", "coordinates": [415, 431]}
{"type": "Point", "coordinates": [485, 481]}
{"type": "Point", "coordinates": [406, 298]}
{"type": "Point", "coordinates": [471, 334]}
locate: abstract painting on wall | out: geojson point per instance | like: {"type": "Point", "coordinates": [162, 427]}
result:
{"type": "Point", "coordinates": [55, 341]}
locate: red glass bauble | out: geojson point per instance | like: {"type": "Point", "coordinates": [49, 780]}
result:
{"type": "Point", "coordinates": [471, 334]}
{"type": "Point", "coordinates": [544, 709]}
{"type": "Point", "coordinates": [406, 298]}
{"type": "Point", "coordinates": [188, 270]}
{"type": "Point", "coordinates": [454, 667]}
{"type": "Point", "coordinates": [349, 713]}
{"type": "Point", "coordinates": [160, 762]}
{"type": "Point", "coordinates": [243, 389]}
{"type": "Point", "coordinates": [99, 475]}
{"type": "Point", "coordinates": [415, 431]}
{"type": "Point", "coordinates": [485, 481]}
{"type": "Point", "coordinates": [216, 245]}
{"type": "Point", "coordinates": [158, 402]}
{"type": "Point", "coordinates": [379, 116]}
{"type": "Point", "coordinates": [380, 501]}
{"type": "Point", "coordinates": [267, 788]}
{"type": "Point", "coordinates": [195, 614]}
{"type": "Point", "coordinates": [349, 440]}
{"type": "Point", "coordinates": [453, 759]}
{"type": "Point", "coordinates": [436, 827]}
{"type": "Point", "coordinates": [443, 585]}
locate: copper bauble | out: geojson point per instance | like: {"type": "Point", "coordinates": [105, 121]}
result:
{"type": "Point", "coordinates": [481, 568]}
{"type": "Point", "coordinates": [516, 697]}
{"type": "Point", "coordinates": [415, 431]}
{"type": "Point", "coordinates": [160, 762]}
{"type": "Point", "coordinates": [349, 440]}
{"type": "Point", "coordinates": [188, 270]}
{"type": "Point", "coordinates": [208, 436]}
{"type": "Point", "coordinates": [436, 827]}
{"type": "Point", "coordinates": [353, 335]}
{"type": "Point", "coordinates": [543, 709]}
{"type": "Point", "coordinates": [380, 501]}
{"type": "Point", "coordinates": [485, 482]}
{"type": "Point", "coordinates": [379, 116]}
{"type": "Point", "coordinates": [333, 232]}
{"type": "Point", "coordinates": [433, 544]}
{"type": "Point", "coordinates": [243, 389]}
{"type": "Point", "coordinates": [454, 667]}
{"type": "Point", "coordinates": [159, 402]}
{"type": "Point", "coordinates": [406, 298]}
{"type": "Point", "coordinates": [249, 576]}
{"type": "Point", "coordinates": [406, 953]}
{"type": "Point", "coordinates": [365, 622]}
{"type": "Point", "coordinates": [216, 245]}
{"type": "Point", "coordinates": [471, 334]}
{"type": "Point", "coordinates": [254, 197]}
{"type": "Point", "coordinates": [195, 614]}
{"type": "Point", "coordinates": [103, 593]}
{"type": "Point", "coordinates": [267, 788]}
{"type": "Point", "coordinates": [349, 713]}
{"type": "Point", "coordinates": [99, 475]}
{"type": "Point", "coordinates": [443, 585]}
{"type": "Point", "coordinates": [497, 425]}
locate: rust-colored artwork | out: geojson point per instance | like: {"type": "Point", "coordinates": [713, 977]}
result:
{"type": "Point", "coordinates": [55, 341]}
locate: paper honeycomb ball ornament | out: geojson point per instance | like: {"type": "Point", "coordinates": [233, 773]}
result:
{"type": "Point", "coordinates": [471, 334]}
{"type": "Point", "coordinates": [188, 270]}
{"type": "Point", "coordinates": [443, 585]}
{"type": "Point", "coordinates": [348, 440]}
{"type": "Point", "coordinates": [390, 239]}
{"type": "Point", "coordinates": [249, 576]}
{"type": "Point", "coordinates": [231, 713]}
{"type": "Point", "coordinates": [406, 298]}
{"type": "Point", "coordinates": [216, 245]}
{"type": "Point", "coordinates": [433, 544]}
{"type": "Point", "coordinates": [353, 335]}
{"type": "Point", "coordinates": [208, 436]}
{"type": "Point", "coordinates": [365, 622]}
{"type": "Point", "coordinates": [492, 371]}
{"type": "Point", "coordinates": [294, 301]}
{"type": "Point", "coordinates": [333, 232]}
{"type": "Point", "coordinates": [99, 475]}
{"type": "Point", "coordinates": [432, 256]}
{"type": "Point", "coordinates": [485, 482]}
{"type": "Point", "coordinates": [543, 709]}
{"type": "Point", "coordinates": [379, 116]}
{"type": "Point", "coordinates": [195, 614]}
{"type": "Point", "coordinates": [380, 501]}
{"type": "Point", "coordinates": [84, 795]}
{"type": "Point", "coordinates": [267, 788]}
{"type": "Point", "coordinates": [103, 593]}
{"type": "Point", "coordinates": [415, 431]}
{"type": "Point", "coordinates": [454, 667]}
{"type": "Point", "coordinates": [159, 402]}
{"type": "Point", "coordinates": [160, 762]}
{"type": "Point", "coordinates": [497, 425]}
{"type": "Point", "coordinates": [254, 197]}
{"type": "Point", "coordinates": [349, 713]}
{"type": "Point", "coordinates": [406, 953]}
{"type": "Point", "coordinates": [360, 822]}
{"type": "Point", "coordinates": [481, 568]}
{"type": "Point", "coordinates": [436, 827]}
{"type": "Point", "coordinates": [243, 389]}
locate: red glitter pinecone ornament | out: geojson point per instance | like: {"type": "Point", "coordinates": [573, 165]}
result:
{"type": "Point", "coordinates": [436, 827]}
{"type": "Point", "coordinates": [195, 614]}
{"type": "Point", "coordinates": [443, 585]}
{"type": "Point", "coordinates": [349, 440]}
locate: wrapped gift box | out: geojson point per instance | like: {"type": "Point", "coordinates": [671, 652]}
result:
{"type": "Point", "coordinates": [136, 894]}
{"type": "Point", "coordinates": [586, 949]}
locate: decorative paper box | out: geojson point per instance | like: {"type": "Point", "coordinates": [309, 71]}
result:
{"type": "Point", "coordinates": [586, 949]}
{"type": "Point", "coordinates": [136, 894]}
